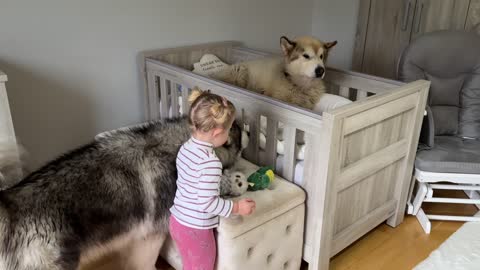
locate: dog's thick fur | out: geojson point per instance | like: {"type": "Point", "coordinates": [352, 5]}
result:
{"type": "Point", "coordinates": [114, 190]}
{"type": "Point", "coordinates": [294, 78]}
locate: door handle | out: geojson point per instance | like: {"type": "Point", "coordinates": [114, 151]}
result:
{"type": "Point", "coordinates": [406, 14]}
{"type": "Point", "coordinates": [419, 18]}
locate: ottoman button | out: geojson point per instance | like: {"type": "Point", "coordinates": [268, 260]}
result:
{"type": "Point", "coordinates": [285, 265]}
{"type": "Point", "coordinates": [288, 229]}
{"type": "Point", "coordinates": [249, 252]}
{"type": "Point", "coordinates": [269, 258]}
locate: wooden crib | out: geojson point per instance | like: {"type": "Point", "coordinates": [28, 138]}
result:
{"type": "Point", "coordinates": [358, 161]}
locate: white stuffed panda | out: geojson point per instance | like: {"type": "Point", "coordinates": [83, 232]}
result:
{"type": "Point", "coordinates": [233, 183]}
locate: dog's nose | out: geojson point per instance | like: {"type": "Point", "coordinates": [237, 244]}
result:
{"type": "Point", "coordinates": [319, 71]}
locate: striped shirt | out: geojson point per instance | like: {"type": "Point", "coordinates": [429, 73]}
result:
{"type": "Point", "coordinates": [197, 201]}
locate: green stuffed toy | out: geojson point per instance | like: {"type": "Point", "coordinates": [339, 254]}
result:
{"type": "Point", "coordinates": [261, 179]}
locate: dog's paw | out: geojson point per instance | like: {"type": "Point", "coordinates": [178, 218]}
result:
{"type": "Point", "coordinates": [236, 75]}
{"type": "Point", "coordinates": [241, 76]}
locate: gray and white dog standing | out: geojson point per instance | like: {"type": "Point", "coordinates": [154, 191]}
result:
{"type": "Point", "coordinates": [117, 189]}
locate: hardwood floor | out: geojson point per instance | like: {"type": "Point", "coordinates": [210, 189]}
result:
{"type": "Point", "coordinates": [399, 248]}
{"type": "Point", "coordinates": [384, 247]}
{"type": "Point", "coordinates": [403, 247]}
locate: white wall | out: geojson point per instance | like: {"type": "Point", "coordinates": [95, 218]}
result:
{"type": "Point", "coordinates": [336, 20]}
{"type": "Point", "coordinates": [72, 64]}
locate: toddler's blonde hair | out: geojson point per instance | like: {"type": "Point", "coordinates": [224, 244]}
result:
{"type": "Point", "coordinates": [209, 111]}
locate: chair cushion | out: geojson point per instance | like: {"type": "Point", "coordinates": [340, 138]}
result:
{"type": "Point", "coordinates": [450, 155]}
{"type": "Point", "coordinates": [451, 61]}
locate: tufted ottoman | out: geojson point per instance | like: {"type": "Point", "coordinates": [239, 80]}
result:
{"type": "Point", "coordinates": [269, 239]}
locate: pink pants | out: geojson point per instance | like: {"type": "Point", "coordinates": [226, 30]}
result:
{"type": "Point", "coordinates": [197, 247]}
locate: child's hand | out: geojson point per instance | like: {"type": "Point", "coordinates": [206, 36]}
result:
{"type": "Point", "coordinates": [244, 207]}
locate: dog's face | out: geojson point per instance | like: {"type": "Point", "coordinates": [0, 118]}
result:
{"type": "Point", "coordinates": [306, 56]}
{"type": "Point", "coordinates": [231, 150]}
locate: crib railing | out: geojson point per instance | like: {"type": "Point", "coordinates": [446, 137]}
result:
{"type": "Point", "coordinates": [169, 84]}
{"type": "Point", "coordinates": [166, 89]}
{"type": "Point", "coordinates": [355, 86]}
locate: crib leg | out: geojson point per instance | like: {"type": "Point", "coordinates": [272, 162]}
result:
{"type": "Point", "coordinates": [320, 266]}
{"type": "Point", "coordinates": [399, 214]}
{"type": "Point", "coordinates": [410, 195]}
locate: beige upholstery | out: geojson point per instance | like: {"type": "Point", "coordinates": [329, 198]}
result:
{"type": "Point", "coordinates": [270, 239]}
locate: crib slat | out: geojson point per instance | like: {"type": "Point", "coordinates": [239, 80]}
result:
{"type": "Point", "coordinates": [271, 145]}
{"type": "Point", "coordinates": [174, 94]}
{"type": "Point", "coordinates": [344, 91]}
{"type": "Point", "coordinates": [185, 105]}
{"type": "Point", "coordinates": [253, 120]}
{"type": "Point", "coordinates": [163, 98]}
{"type": "Point", "coordinates": [289, 139]}
{"type": "Point", "coordinates": [153, 96]}
{"type": "Point", "coordinates": [361, 94]}
{"type": "Point", "coordinates": [311, 167]}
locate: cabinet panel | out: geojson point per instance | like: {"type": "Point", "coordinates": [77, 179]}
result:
{"type": "Point", "coordinates": [473, 17]}
{"type": "Point", "coordinates": [388, 33]}
{"type": "Point", "coordinates": [386, 27]}
{"type": "Point", "coordinates": [361, 34]}
{"type": "Point", "coordinates": [431, 15]}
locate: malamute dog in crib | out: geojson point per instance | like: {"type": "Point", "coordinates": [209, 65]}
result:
{"type": "Point", "coordinates": [117, 189]}
{"type": "Point", "coordinates": [295, 78]}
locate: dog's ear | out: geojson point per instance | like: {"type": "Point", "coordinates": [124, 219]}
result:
{"type": "Point", "coordinates": [330, 45]}
{"type": "Point", "coordinates": [287, 45]}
